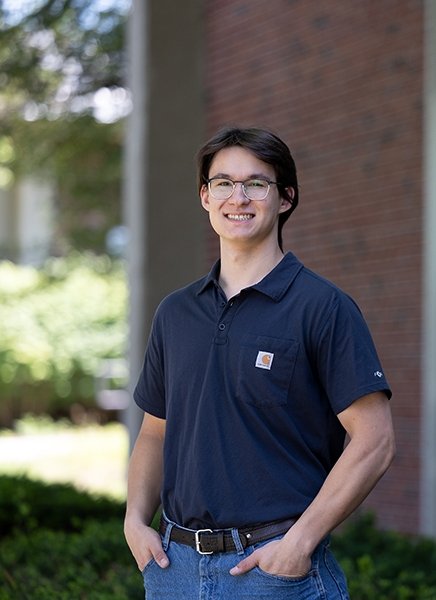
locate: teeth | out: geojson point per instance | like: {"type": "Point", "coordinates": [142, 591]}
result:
{"type": "Point", "coordinates": [240, 217]}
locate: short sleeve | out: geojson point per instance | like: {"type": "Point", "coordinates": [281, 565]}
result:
{"type": "Point", "coordinates": [149, 393]}
{"type": "Point", "coordinates": [348, 364]}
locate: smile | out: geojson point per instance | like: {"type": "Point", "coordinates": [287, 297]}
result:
{"type": "Point", "coordinates": [239, 217]}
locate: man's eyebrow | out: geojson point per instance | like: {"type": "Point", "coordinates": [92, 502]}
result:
{"type": "Point", "coordinates": [252, 176]}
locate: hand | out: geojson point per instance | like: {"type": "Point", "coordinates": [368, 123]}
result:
{"type": "Point", "coordinates": [145, 544]}
{"type": "Point", "coordinates": [275, 558]}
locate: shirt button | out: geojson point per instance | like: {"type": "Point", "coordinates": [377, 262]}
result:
{"type": "Point", "coordinates": [221, 326]}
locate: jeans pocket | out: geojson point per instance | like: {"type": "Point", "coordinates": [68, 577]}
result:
{"type": "Point", "coordinates": [285, 578]}
{"type": "Point", "coordinates": [148, 565]}
{"type": "Point", "coordinates": [280, 578]}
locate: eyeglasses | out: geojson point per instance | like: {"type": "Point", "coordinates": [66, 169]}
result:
{"type": "Point", "coordinates": [221, 188]}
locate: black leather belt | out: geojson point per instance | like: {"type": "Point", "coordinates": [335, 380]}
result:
{"type": "Point", "coordinates": [208, 541]}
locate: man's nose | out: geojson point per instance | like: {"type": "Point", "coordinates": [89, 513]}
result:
{"type": "Point", "coordinates": [238, 195]}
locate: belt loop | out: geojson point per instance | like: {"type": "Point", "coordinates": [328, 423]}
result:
{"type": "Point", "coordinates": [167, 536]}
{"type": "Point", "coordinates": [237, 541]}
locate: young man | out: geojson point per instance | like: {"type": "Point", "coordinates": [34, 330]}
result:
{"type": "Point", "coordinates": [252, 377]}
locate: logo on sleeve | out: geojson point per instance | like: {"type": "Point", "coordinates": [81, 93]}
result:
{"type": "Point", "coordinates": [378, 374]}
{"type": "Point", "coordinates": [264, 360]}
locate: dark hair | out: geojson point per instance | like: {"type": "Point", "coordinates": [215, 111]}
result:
{"type": "Point", "coordinates": [266, 146]}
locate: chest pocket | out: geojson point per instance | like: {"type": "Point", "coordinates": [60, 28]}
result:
{"type": "Point", "coordinates": [265, 369]}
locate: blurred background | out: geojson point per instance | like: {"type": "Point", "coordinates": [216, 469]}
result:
{"type": "Point", "coordinates": [63, 286]}
{"type": "Point", "coordinates": [103, 104]}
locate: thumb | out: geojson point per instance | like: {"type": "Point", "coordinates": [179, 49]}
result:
{"type": "Point", "coordinates": [244, 566]}
{"type": "Point", "coordinates": [162, 559]}
{"type": "Point", "coordinates": [159, 555]}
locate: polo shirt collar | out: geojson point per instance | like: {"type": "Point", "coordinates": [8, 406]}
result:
{"type": "Point", "coordinates": [274, 285]}
{"type": "Point", "coordinates": [211, 278]}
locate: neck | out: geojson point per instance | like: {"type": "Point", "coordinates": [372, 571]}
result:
{"type": "Point", "coordinates": [242, 267]}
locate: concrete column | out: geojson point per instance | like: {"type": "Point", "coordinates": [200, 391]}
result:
{"type": "Point", "coordinates": [162, 210]}
{"type": "Point", "coordinates": [428, 447]}
{"type": "Point", "coordinates": [135, 196]}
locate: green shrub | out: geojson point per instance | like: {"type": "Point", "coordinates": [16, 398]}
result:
{"type": "Point", "coordinates": [56, 325]}
{"type": "Point", "coordinates": [385, 565]}
{"type": "Point", "coordinates": [27, 505]}
{"type": "Point", "coordinates": [58, 543]}
{"type": "Point", "coordinates": [54, 565]}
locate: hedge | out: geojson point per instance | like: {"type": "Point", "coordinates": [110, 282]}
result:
{"type": "Point", "coordinates": [54, 565]}
{"type": "Point", "coordinates": [57, 323]}
{"type": "Point", "coordinates": [57, 544]}
{"type": "Point", "coordinates": [386, 565]}
{"type": "Point", "coordinates": [27, 505]}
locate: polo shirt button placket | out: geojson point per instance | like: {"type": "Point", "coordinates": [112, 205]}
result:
{"type": "Point", "coordinates": [223, 327]}
{"type": "Point", "coordinates": [221, 334]}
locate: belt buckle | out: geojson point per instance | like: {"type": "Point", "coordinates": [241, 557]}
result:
{"type": "Point", "coordinates": [198, 541]}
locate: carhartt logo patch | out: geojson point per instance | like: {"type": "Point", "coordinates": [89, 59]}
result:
{"type": "Point", "coordinates": [264, 359]}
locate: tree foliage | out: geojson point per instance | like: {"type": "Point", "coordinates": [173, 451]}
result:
{"type": "Point", "coordinates": [60, 53]}
{"type": "Point", "coordinates": [56, 60]}
{"type": "Point", "coordinates": [57, 326]}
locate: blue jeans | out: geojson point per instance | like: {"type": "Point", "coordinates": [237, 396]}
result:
{"type": "Point", "coordinates": [192, 576]}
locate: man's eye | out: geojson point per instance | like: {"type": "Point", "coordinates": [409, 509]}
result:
{"type": "Point", "coordinates": [256, 183]}
{"type": "Point", "coordinates": [222, 183]}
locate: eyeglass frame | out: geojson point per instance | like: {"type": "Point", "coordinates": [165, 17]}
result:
{"type": "Point", "coordinates": [268, 181]}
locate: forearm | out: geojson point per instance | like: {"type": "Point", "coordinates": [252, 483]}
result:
{"type": "Point", "coordinates": [144, 480]}
{"type": "Point", "coordinates": [143, 494]}
{"type": "Point", "coordinates": [145, 472]}
{"type": "Point", "coordinates": [348, 484]}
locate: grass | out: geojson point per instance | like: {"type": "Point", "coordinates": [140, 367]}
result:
{"type": "Point", "coordinates": [92, 457]}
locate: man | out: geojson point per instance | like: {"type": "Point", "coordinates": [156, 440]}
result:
{"type": "Point", "coordinates": [252, 377]}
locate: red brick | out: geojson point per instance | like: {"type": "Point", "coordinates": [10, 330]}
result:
{"type": "Point", "coordinates": [342, 83]}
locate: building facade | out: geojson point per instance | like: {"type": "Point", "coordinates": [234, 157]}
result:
{"type": "Point", "coordinates": [340, 83]}
{"type": "Point", "coordinates": [351, 87]}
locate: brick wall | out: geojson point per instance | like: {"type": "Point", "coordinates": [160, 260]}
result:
{"type": "Point", "coordinates": [341, 82]}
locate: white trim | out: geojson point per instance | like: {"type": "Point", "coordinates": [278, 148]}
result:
{"type": "Point", "coordinates": [428, 437]}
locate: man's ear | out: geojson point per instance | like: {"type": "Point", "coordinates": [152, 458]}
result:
{"type": "Point", "coordinates": [204, 197]}
{"type": "Point", "coordinates": [286, 203]}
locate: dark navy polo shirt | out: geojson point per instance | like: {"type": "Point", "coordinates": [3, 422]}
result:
{"type": "Point", "coordinates": [250, 389]}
